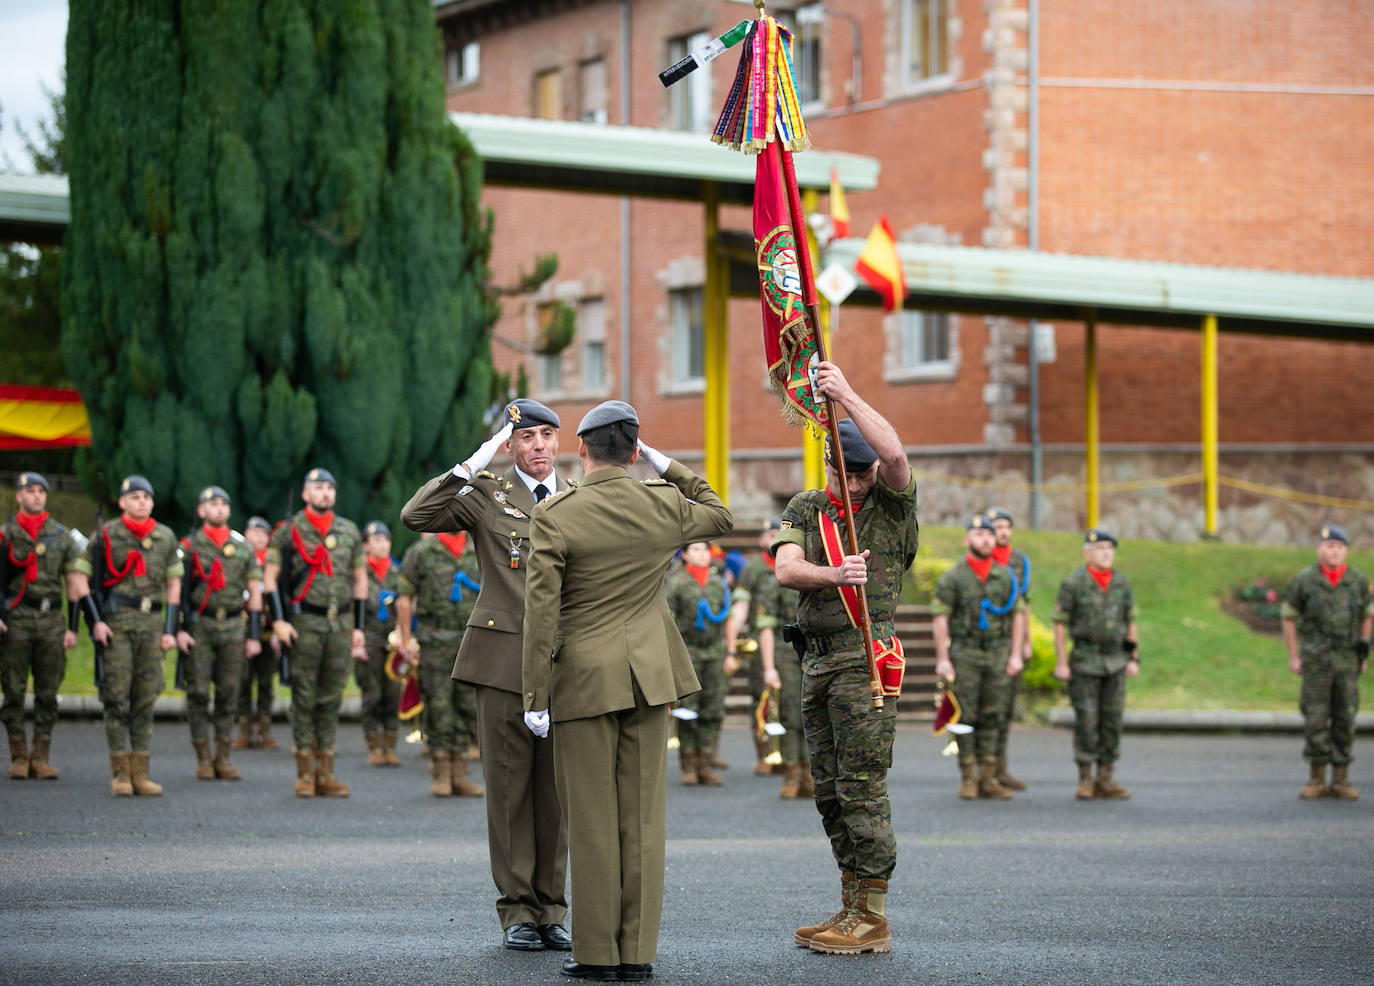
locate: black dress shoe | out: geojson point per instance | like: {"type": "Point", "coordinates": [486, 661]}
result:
{"type": "Point", "coordinates": [636, 972]}
{"type": "Point", "coordinates": [600, 973]}
{"type": "Point", "coordinates": [556, 937]}
{"type": "Point", "coordinates": [523, 937]}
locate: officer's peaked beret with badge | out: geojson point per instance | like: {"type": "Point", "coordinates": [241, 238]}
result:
{"type": "Point", "coordinates": [135, 484]}
{"type": "Point", "coordinates": [27, 479]}
{"type": "Point", "coordinates": [211, 493]}
{"type": "Point", "coordinates": [1096, 535]}
{"type": "Point", "coordinates": [858, 454]}
{"type": "Point", "coordinates": [1330, 532]}
{"type": "Point", "coordinates": [318, 475]}
{"type": "Point", "coordinates": [526, 413]}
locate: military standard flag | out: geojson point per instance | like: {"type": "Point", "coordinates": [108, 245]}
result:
{"type": "Point", "coordinates": [839, 211]}
{"type": "Point", "coordinates": [879, 265]}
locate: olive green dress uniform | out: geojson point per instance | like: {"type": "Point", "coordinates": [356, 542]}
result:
{"type": "Point", "coordinates": [850, 741]}
{"type": "Point", "coordinates": [321, 653]}
{"type": "Point", "coordinates": [602, 654]}
{"type": "Point", "coordinates": [381, 697]}
{"type": "Point", "coordinates": [706, 644]}
{"type": "Point", "coordinates": [1329, 619]}
{"type": "Point", "coordinates": [1096, 621]}
{"type": "Point", "coordinates": [134, 674]}
{"type": "Point", "coordinates": [525, 829]}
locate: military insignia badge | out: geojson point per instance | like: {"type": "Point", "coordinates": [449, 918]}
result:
{"type": "Point", "coordinates": [40, 549]}
{"type": "Point", "coordinates": [1326, 534]}
{"type": "Point", "coordinates": [513, 413]}
{"type": "Point", "coordinates": [515, 511]}
{"type": "Point", "coordinates": [146, 542]}
{"type": "Point", "coordinates": [465, 491]}
{"type": "Point", "coordinates": [331, 542]}
{"type": "Point", "coordinates": [499, 496]}
{"type": "Point", "coordinates": [228, 551]}
{"type": "Point", "coordinates": [784, 525]}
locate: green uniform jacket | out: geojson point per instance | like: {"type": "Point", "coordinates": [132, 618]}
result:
{"type": "Point", "coordinates": [57, 556]}
{"type": "Point", "coordinates": [346, 554]}
{"type": "Point", "coordinates": [959, 594]}
{"type": "Point", "coordinates": [427, 574]}
{"type": "Point", "coordinates": [1096, 621]}
{"type": "Point", "coordinates": [238, 562]}
{"type": "Point", "coordinates": [1328, 617]}
{"type": "Point", "coordinates": [596, 613]}
{"type": "Point", "coordinates": [374, 625]}
{"type": "Point", "coordinates": [161, 560]}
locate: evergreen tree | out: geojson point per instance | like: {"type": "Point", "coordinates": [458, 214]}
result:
{"type": "Point", "coordinates": [276, 255]}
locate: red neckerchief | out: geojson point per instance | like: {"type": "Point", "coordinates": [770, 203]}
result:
{"type": "Point", "coordinates": [214, 579]}
{"type": "Point", "coordinates": [139, 528]}
{"type": "Point", "coordinates": [133, 561]}
{"type": "Point", "coordinates": [31, 523]}
{"type": "Point", "coordinates": [321, 522]}
{"type": "Point", "coordinates": [770, 561]}
{"type": "Point", "coordinates": [1001, 553]}
{"type": "Point", "coordinates": [1102, 576]}
{"type": "Point", "coordinates": [1333, 575]}
{"type": "Point", "coordinates": [216, 534]}
{"type": "Point", "coordinates": [30, 562]}
{"type": "Point", "coordinates": [699, 572]}
{"type": "Point", "coordinates": [838, 504]}
{"type": "Point", "coordinates": [455, 543]}
{"type": "Point", "coordinates": [981, 566]}
{"type": "Point", "coordinates": [318, 560]}
{"type": "Point", "coordinates": [261, 556]}
{"type": "Point", "coordinates": [379, 566]}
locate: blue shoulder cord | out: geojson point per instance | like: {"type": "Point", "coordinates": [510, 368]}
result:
{"type": "Point", "coordinates": [985, 606]}
{"type": "Point", "coordinates": [704, 608]}
{"type": "Point", "coordinates": [385, 598]}
{"type": "Point", "coordinates": [461, 581]}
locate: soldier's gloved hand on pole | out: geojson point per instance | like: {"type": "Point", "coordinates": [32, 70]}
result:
{"type": "Point", "coordinates": [538, 723]}
{"type": "Point", "coordinates": [478, 461]}
{"type": "Point", "coordinates": [656, 459]}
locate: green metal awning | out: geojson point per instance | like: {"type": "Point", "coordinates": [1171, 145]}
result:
{"type": "Point", "coordinates": [33, 208]}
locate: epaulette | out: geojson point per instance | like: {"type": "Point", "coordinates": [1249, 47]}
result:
{"type": "Point", "coordinates": [657, 482]}
{"type": "Point", "coordinates": [567, 489]}
{"type": "Point", "coordinates": [486, 474]}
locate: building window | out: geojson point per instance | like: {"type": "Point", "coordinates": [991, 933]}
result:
{"type": "Point", "coordinates": [548, 95]}
{"type": "Point", "coordinates": [923, 340]}
{"type": "Point", "coordinates": [687, 359]}
{"type": "Point", "coordinates": [462, 63]}
{"type": "Point", "coordinates": [591, 91]}
{"type": "Point", "coordinates": [591, 331]}
{"type": "Point", "coordinates": [550, 365]}
{"type": "Point", "coordinates": [925, 40]}
{"type": "Point", "coordinates": [689, 101]}
{"type": "Point", "coordinates": [806, 23]}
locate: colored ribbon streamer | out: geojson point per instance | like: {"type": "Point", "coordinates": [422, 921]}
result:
{"type": "Point", "coordinates": [704, 609]}
{"type": "Point", "coordinates": [461, 581]}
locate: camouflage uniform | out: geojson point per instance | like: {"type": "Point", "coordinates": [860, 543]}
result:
{"type": "Point", "coordinates": [979, 656]}
{"type": "Point", "coordinates": [1096, 622]}
{"type": "Point", "coordinates": [850, 741]}
{"type": "Point", "coordinates": [320, 655]}
{"type": "Point", "coordinates": [705, 640]}
{"type": "Point", "coordinates": [258, 670]}
{"type": "Point", "coordinates": [381, 696]}
{"type": "Point", "coordinates": [1328, 620]}
{"type": "Point", "coordinates": [770, 607]}
{"type": "Point", "coordinates": [443, 603]}
{"type": "Point", "coordinates": [1020, 567]}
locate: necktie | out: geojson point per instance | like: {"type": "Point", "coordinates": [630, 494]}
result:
{"type": "Point", "coordinates": [540, 492]}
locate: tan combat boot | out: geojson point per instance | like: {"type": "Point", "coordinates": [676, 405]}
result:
{"type": "Point", "coordinates": [39, 767]}
{"type": "Point", "coordinates": [848, 884]}
{"type": "Point", "coordinates": [987, 781]}
{"type": "Point", "coordinates": [439, 769]}
{"type": "Point", "coordinates": [863, 928]}
{"type": "Point", "coordinates": [245, 737]}
{"type": "Point", "coordinates": [1316, 785]}
{"type": "Point", "coordinates": [389, 758]}
{"type": "Point", "coordinates": [463, 785]}
{"type": "Point", "coordinates": [791, 781]}
{"type": "Point", "coordinates": [1085, 790]}
{"type": "Point", "coordinates": [808, 783]}
{"type": "Point", "coordinates": [224, 770]}
{"type": "Point", "coordinates": [138, 776]}
{"type": "Point", "coordinates": [474, 752]}
{"type": "Point", "coordinates": [1340, 784]}
{"type": "Point", "coordinates": [205, 769]}
{"type": "Point", "coordinates": [706, 775]}
{"type": "Point", "coordinates": [688, 761]}
{"type": "Point", "coordinates": [326, 784]}
{"type": "Point", "coordinates": [1106, 787]}
{"type": "Point", "coordinates": [374, 749]}
{"type": "Point", "coordinates": [119, 776]}
{"type": "Point", "coordinates": [1004, 776]}
{"type": "Point", "coordinates": [19, 757]}
{"type": "Point", "coordinates": [264, 736]}
{"type": "Point", "coordinates": [762, 768]}
{"type": "Point", "coordinates": [968, 782]}
{"type": "Point", "coordinates": [305, 773]}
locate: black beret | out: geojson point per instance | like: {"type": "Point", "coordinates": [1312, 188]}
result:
{"type": "Point", "coordinates": [1330, 532]}
{"type": "Point", "coordinates": [318, 475]}
{"type": "Point", "coordinates": [525, 413]}
{"type": "Point", "coordinates": [210, 492]}
{"type": "Point", "coordinates": [376, 527]}
{"type": "Point", "coordinates": [1000, 513]}
{"type": "Point", "coordinates": [979, 522]}
{"type": "Point", "coordinates": [30, 479]}
{"type": "Point", "coordinates": [607, 413]}
{"type": "Point", "coordinates": [256, 521]}
{"type": "Point", "coordinates": [1096, 535]}
{"type": "Point", "coordinates": [135, 483]}
{"type": "Point", "coordinates": [858, 454]}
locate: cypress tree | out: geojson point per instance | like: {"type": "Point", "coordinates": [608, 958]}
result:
{"type": "Point", "coordinates": [276, 256]}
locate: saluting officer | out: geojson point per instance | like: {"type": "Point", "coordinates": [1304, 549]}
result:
{"type": "Point", "coordinates": [329, 577]}
{"type": "Point", "coordinates": [39, 557]}
{"type": "Point", "coordinates": [380, 694]}
{"type": "Point", "coordinates": [256, 730]}
{"type": "Point", "coordinates": [222, 571]}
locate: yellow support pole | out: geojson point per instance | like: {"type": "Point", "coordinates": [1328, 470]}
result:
{"type": "Point", "coordinates": [813, 442]}
{"type": "Point", "coordinates": [1091, 434]}
{"type": "Point", "coordinates": [1210, 429]}
{"type": "Point", "coordinates": [716, 355]}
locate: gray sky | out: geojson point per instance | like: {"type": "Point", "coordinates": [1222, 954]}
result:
{"type": "Point", "coordinates": [33, 38]}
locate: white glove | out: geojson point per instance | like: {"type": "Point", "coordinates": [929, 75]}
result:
{"type": "Point", "coordinates": [538, 723]}
{"type": "Point", "coordinates": [476, 462]}
{"type": "Point", "coordinates": [654, 457]}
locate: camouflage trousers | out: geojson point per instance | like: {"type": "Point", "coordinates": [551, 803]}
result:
{"type": "Point", "coordinates": [258, 670]}
{"type": "Point", "coordinates": [851, 750]}
{"type": "Point", "coordinates": [980, 687]}
{"type": "Point", "coordinates": [216, 660]}
{"type": "Point", "coordinates": [320, 660]}
{"type": "Point", "coordinates": [1008, 712]}
{"type": "Point", "coordinates": [1329, 701]}
{"type": "Point", "coordinates": [1099, 702]}
{"type": "Point", "coordinates": [33, 645]}
{"type": "Point", "coordinates": [381, 695]}
{"type": "Point", "coordinates": [449, 719]}
{"type": "Point", "coordinates": [134, 678]}
{"type": "Point", "coordinates": [792, 744]}
{"type": "Point", "coordinates": [703, 732]}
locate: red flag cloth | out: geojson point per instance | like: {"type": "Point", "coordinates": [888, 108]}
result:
{"type": "Point", "coordinates": [839, 211]}
{"type": "Point", "coordinates": [879, 265]}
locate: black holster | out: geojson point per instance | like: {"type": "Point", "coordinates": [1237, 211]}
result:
{"type": "Point", "coordinates": [792, 633]}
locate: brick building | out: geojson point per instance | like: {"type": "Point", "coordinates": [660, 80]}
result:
{"type": "Point", "coordinates": [1226, 134]}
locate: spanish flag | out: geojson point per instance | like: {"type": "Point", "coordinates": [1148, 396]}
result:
{"type": "Point", "coordinates": [41, 417]}
{"type": "Point", "coordinates": [879, 265]}
{"type": "Point", "coordinates": [839, 212]}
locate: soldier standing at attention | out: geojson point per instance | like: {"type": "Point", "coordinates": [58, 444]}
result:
{"type": "Point", "coordinates": [1004, 554]}
{"type": "Point", "coordinates": [604, 660]}
{"type": "Point", "coordinates": [380, 695]}
{"type": "Point", "coordinates": [255, 730]}
{"type": "Point", "coordinates": [526, 835]}
{"type": "Point", "coordinates": [141, 569]}
{"type": "Point", "coordinates": [1096, 606]}
{"type": "Point", "coordinates": [221, 570]}
{"type": "Point", "coordinates": [700, 602]}
{"type": "Point", "coordinates": [850, 741]}
{"type": "Point", "coordinates": [39, 558]}
{"type": "Point", "coordinates": [1327, 615]}
{"type": "Point", "coordinates": [328, 582]}
{"type": "Point", "coordinates": [977, 628]}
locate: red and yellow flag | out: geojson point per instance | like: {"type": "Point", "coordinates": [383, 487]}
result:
{"type": "Point", "coordinates": [879, 265]}
{"type": "Point", "coordinates": [839, 211]}
{"type": "Point", "coordinates": [41, 417]}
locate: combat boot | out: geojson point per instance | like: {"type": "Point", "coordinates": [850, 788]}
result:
{"type": "Point", "coordinates": [968, 782]}
{"type": "Point", "coordinates": [863, 928]}
{"type": "Point", "coordinates": [1340, 784]}
{"type": "Point", "coordinates": [119, 776]}
{"type": "Point", "coordinates": [688, 761]}
{"type": "Point", "coordinates": [987, 781]}
{"type": "Point", "coordinates": [1106, 787]}
{"type": "Point", "coordinates": [245, 737]}
{"type": "Point", "coordinates": [706, 776]}
{"type": "Point", "coordinates": [474, 752]}
{"type": "Point", "coordinates": [791, 781]}
{"type": "Point", "coordinates": [442, 787]}
{"type": "Point", "coordinates": [1004, 776]}
{"type": "Point", "coordinates": [848, 884]}
{"type": "Point", "coordinates": [205, 770]}
{"type": "Point", "coordinates": [264, 736]}
{"type": "Point", "coordinates": [19, 757]}
{"type": "Point", "coordinates": [463, 785]}
{"type": "Point", "coordinates": [374, 749]}
{"type": "Point", "coordinates": [389, 758]}
{"type": "Point", "coordinates": [224, 770]}
{"type": "Point", "coordinates": [305, 773]}
{"type": "Point", "coordinates": [1085, 791]}
{"type": "Point", "coordinates": [38, 759]}
{"type": "Point", "coordinates": [808, 784]}
{"type": "Point", "coordinates": [138, 776]}
{"type": "Point", "coordinates": [326, 784]}
{"type": "Point", "coordinates": [1316, 785]}
{"type": "Point", "coordinates": [762, 768]}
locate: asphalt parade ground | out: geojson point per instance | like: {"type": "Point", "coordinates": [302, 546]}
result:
{"type": "Point", "coordinates": [1213, 872]}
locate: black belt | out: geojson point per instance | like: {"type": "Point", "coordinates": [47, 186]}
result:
{"type": "Point", "coordinates": [144, 604]}
{"type": "Point", "coordinates": [222, 613]}
{"type": "Point", "coordinates": [851, 639]}
{"type": "Point", "coordinates": [42, 605]}
{"type": "Point", "coordinates": [330, 611]}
